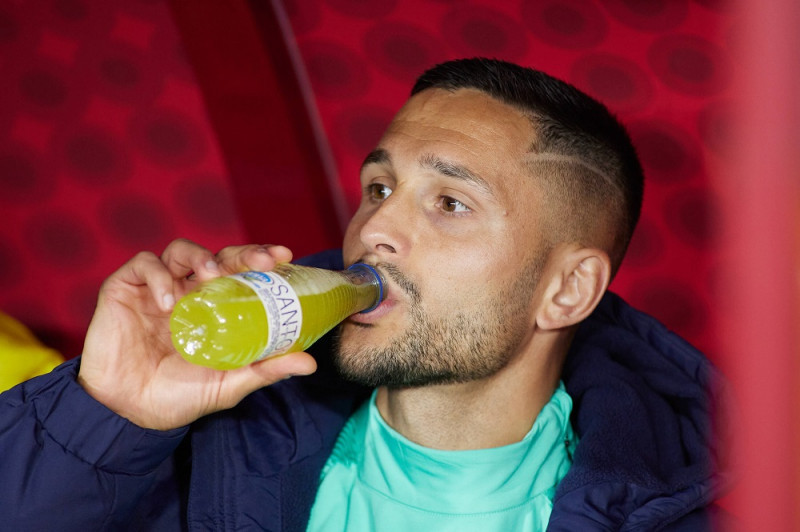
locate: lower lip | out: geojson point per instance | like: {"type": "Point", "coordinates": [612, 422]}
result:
{"type": "Point", "coordinates": [372, 316]}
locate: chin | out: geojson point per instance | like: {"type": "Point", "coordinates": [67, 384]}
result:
{"type": "Point", "coordinates": [355, 337]}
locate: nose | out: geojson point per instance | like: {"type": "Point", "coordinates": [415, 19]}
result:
{"type": "Point", "coordinates": [386, 230]}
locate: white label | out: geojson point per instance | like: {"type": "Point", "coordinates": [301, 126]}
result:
{"type": "Point", "coordinates": [284, 315]}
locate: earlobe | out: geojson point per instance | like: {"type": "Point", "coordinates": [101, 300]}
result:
{"type": "Point", "coordinates": [576, 289]}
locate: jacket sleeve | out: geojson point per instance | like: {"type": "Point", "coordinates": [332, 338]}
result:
{"type": "Point", "coordinates": [68, 462]}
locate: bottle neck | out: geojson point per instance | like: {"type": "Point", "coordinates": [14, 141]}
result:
{"type": "Point", "coordinates": [364, 274]}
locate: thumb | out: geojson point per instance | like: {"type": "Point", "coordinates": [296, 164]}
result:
{"type": "Point", "coordinates": [274, 369]}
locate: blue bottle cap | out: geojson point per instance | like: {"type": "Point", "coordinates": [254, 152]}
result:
{"type": "Point", "coordinates": [373, 271]}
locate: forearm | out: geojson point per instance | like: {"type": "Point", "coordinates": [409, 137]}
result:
{"type": "Point", "coordinates": [70, 461]}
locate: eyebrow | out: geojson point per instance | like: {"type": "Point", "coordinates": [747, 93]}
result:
{"type": "Point", "coordinates": [435, 163]}
{"type": "Point", "coordinates": [379, 156]}
{"type": "Point", "coordinates": [451, 169]}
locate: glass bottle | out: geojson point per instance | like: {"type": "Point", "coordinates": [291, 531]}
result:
{"type": "Point", "coordinates": [235, 320]}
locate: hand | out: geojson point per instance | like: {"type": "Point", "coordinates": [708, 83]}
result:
{"type": "Point", "coordinates": [129, 363]}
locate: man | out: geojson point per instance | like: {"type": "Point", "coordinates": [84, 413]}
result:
{"type": "Point", "coordinates": [498, 206]}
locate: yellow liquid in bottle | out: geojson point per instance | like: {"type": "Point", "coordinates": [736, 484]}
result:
{"type": "Point", "coordinates": [224, 325]}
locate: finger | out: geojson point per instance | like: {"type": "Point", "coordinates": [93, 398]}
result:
{"type": "Point", "coordinates": [272, 370]}
{"type": "Point", "coordinates": [237, 259]}
{"type": "Point", "coordinates": [183, 257]}
{"type": "Point", "coordinates": [145, 269]}
{"type": "Point", "coordinates": [280, 253]}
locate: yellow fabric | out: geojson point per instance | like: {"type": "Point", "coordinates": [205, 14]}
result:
{"type": "Point", "coordinates": [22, 356]}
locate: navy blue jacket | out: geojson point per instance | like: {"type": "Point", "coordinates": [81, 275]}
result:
{"type": "Point", "coordinates": [647, 459]}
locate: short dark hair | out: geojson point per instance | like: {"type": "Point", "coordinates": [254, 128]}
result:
{"type": "Point", "coordinates": [593, 170]}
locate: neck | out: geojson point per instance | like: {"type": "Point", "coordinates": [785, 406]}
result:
{"type": "Point", "coordinates": [492, 412]}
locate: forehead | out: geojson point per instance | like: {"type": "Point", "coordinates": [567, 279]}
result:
{"type": "Point", "coordinates": [472, 130]}
{"type": "Point", "coordinates": [469, 119]}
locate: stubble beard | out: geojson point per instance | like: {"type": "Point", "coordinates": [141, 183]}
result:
{"type": "Point", "coordinates": [464, 346]}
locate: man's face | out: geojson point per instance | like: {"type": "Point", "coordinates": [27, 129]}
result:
{"type": "Point", "coordinates": [450, 217]}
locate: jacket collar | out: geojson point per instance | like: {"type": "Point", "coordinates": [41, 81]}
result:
{"type": "Point", "coordinates": [644, 400]}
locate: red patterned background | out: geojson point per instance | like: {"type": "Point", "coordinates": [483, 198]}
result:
{"type": "Point", "coordinates": [125, 124]}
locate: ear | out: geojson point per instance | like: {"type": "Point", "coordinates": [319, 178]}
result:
{"type": "Point", "coordinates": [578, 279]}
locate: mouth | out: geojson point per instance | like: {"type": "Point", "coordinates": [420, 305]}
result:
{"type": "Point", "coordinates": [386, 305]}
{"type": "Point", "coordinates": [374, 315]}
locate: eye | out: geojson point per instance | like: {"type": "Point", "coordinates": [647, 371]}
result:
{"type": "Point", "coordinates": [452, 205]}
{"type": "Point", "coordinates": [378, 192]}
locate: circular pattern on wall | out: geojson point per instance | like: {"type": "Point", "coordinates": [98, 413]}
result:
{"type": "Point", "coordinates": [722, 6]}
{"type": "Point", "coordinates": [43, 89]}
{"type": "Point", "coordinates": [70, 9]}
{"type": "Point", "coordinates": [22, 179]}
{"type": "Point", "coordinates": [46, 91]}
{"type": "Point", "coordinates": [168, 138]}
{"type": "Point", "coordinates": [568, 24]}
{"type": "Point", "coordinates": [692, 214]}
{"type": "Point", "coordinates": [646, 246]}
{"type": "Point", "coordinates": [12, 271]}
{"type": "Point", "coordinates": [206, 203]}
{"type": "Point", "coordinates": [690, 64]}
{"type": "Point", "coordinates": [138, 222]}
{"type": "Point", "coordinates": [361, 127]}
{"type": "Point", "coordinates": [673, 303]}
{"type": "Point", "coordinates": [401, 50]}
{"type": "Point", "coordinates": [652, 15]}
{"type": "Point", "coordinates": [81, 18]}
{"type": "Point", "coordinates": [717, 125]}
{"type": "Point", "coordinates": [81, 301]}
{"type": "Point", "coordinates": [666, 151]}
{"type": "Point", "coordinates": [482, 31]}
{"type": "Point", "coordinates": [335, 71]}
{"type": "Point", "coordinates": [62, 239]}
{"type": "Point", "coordinates": [617, 82]}
{"type": "Point", "coordinates": [39, 317]}
{"type": "Point", "coordinates": [303, 16]}
{"type": "Point", "coordinates": [9, 27]}
{"type": "Point", "coordinates": [369, 9]}
{"type": "Point", "coordinates": [121, 73]}
{"type": "Point", "coordinates": [95, 157]}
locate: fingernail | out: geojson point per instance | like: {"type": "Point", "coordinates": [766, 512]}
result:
{"type": "Point", "coordinates": [212, 266]}
{"type": "Point", "coordinates": [168, 301]}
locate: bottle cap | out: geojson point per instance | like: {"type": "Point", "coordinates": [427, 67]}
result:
{"type": "Point", "coordinates": [373, 271]}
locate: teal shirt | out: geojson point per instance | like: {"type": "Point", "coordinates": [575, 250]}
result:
{"type": "Point", "coordinates": [377, 480]}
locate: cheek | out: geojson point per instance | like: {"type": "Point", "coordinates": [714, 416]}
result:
{"type": "Point", "coordinates": [352, 249]}
{"type": "Point", "coordinates": [453, 280]}
{"type": "Point", "coordinates": [474, 273]}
